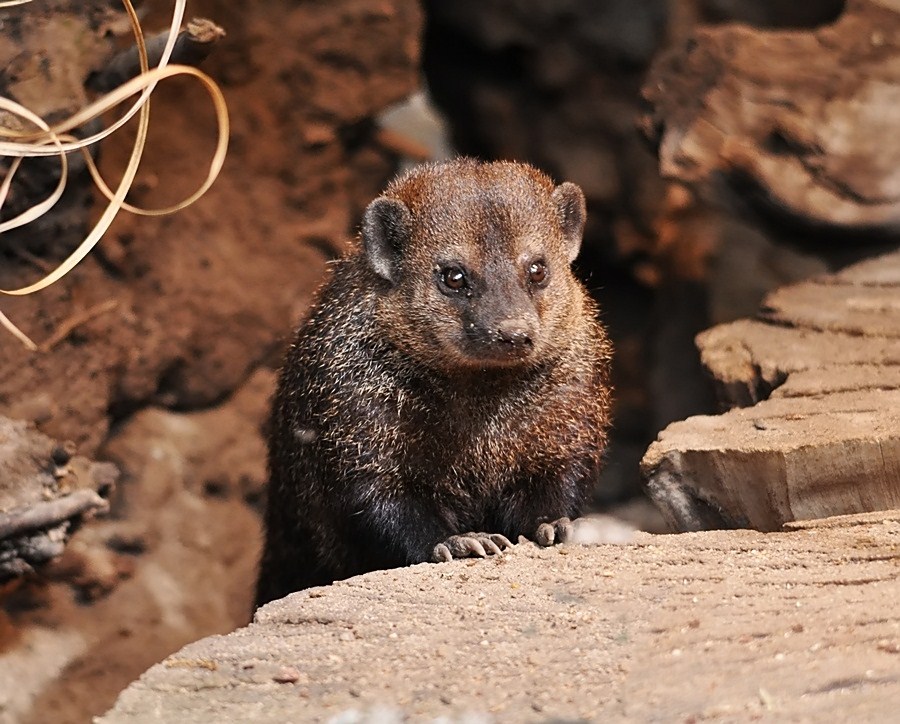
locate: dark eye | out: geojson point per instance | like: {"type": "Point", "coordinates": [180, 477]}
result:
{"type": "Point", "coordinates": [537, 272]}
{"type": "Point", "coordinates": [453, 278]}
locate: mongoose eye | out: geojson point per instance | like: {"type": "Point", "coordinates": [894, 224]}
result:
{"type": "Point", "coordinates": [537, 272]}
{"type": "Point", "coordinates": [453, 278]}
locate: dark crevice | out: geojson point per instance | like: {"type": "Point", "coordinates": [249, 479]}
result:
{"type": "Point", "coordinates": [773, 14]}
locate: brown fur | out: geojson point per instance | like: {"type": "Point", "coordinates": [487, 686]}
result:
{"type": "Point", "coordinates": [409, 414]}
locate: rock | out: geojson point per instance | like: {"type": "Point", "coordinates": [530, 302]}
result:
{"type": "Point", "coordinates": [815, 429]}
{"type": "Point", "coordinates": [606, 633]}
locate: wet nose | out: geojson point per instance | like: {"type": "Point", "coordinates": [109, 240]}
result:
{"type": "Point", "coordinates": [515, 333]}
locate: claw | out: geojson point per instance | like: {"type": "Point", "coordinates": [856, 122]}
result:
{"type": "Point", "coordinates": [491, 548]}
{"type": "Point", "coordinates": [564, 529]}
{"type": "Point", "coordinates": [545, 535]}
{"type": "Point", "coordinates": [441, 554]}
{"type": "Point", "coordinates": [473, 545]}
{"type": "Point", "coordinates": [468, 545]}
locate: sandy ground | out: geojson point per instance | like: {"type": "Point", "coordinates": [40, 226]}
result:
{"type": "Point", "coordinates": [725, 626]}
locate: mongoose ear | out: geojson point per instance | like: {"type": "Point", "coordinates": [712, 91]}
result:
{"type": "Point", "coordinates": [386, 228]}
{"type": "Point", "coordinates": [570, 206]}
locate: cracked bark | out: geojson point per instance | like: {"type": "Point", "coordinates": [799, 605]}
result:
{"type": "Point", "coordinates": [795, 122]}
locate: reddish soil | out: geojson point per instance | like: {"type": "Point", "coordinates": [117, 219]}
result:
{"type": "Point", "coordinates": [170, 379]}
{"type": "Point", "coordinates": [203, 297]}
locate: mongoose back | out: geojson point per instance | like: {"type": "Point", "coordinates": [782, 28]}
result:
{"type": "Point", "coordinates": [449, 390]}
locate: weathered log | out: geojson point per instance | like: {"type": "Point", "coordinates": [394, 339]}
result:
{"type": "Point", "coordinates": [715, 626]}
{"type": "Point", "coordinates": [796, 122]}
{"type": "Point", "coordinates": [815, 383]}
{"type": "Point", "coordinates": [45, 492]}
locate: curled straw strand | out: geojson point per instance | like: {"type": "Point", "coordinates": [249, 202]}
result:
{"type": "Point", "coordinates": [26, 147]}
{"type": "Point", "coordinates": [55, 141]}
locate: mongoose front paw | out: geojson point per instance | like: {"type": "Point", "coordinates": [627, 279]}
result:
{"type": "Point", "coordinates": [559, 531]}
{"type": "Point", "coordinates": [468, 545]}
{"type": "Point", "coordinates": [586, 531]}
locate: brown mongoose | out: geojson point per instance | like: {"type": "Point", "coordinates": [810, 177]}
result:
{"type": "Point", "coordinates": [449, 390]}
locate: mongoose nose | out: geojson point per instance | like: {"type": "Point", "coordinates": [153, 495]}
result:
{"type": "Point", "coordinates": [515, 333]}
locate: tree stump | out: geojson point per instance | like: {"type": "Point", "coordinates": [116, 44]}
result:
{"type": "Point", "coordinates": [814, 427]}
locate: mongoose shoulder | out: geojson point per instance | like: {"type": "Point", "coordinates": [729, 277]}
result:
{"type": "Point", "coordinates": [449, 390]}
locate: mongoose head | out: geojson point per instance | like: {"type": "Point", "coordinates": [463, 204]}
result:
{"type": "Point", "coordinates": [473, 261]}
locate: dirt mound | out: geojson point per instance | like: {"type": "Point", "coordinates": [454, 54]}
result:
{"type": "Point", "coordinates": [180, 309]}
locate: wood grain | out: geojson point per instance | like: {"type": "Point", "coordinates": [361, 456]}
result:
{"type": "Point", "coordinates": [814, 429]}
{"type": "Point", "coordinates": [719, 625]}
